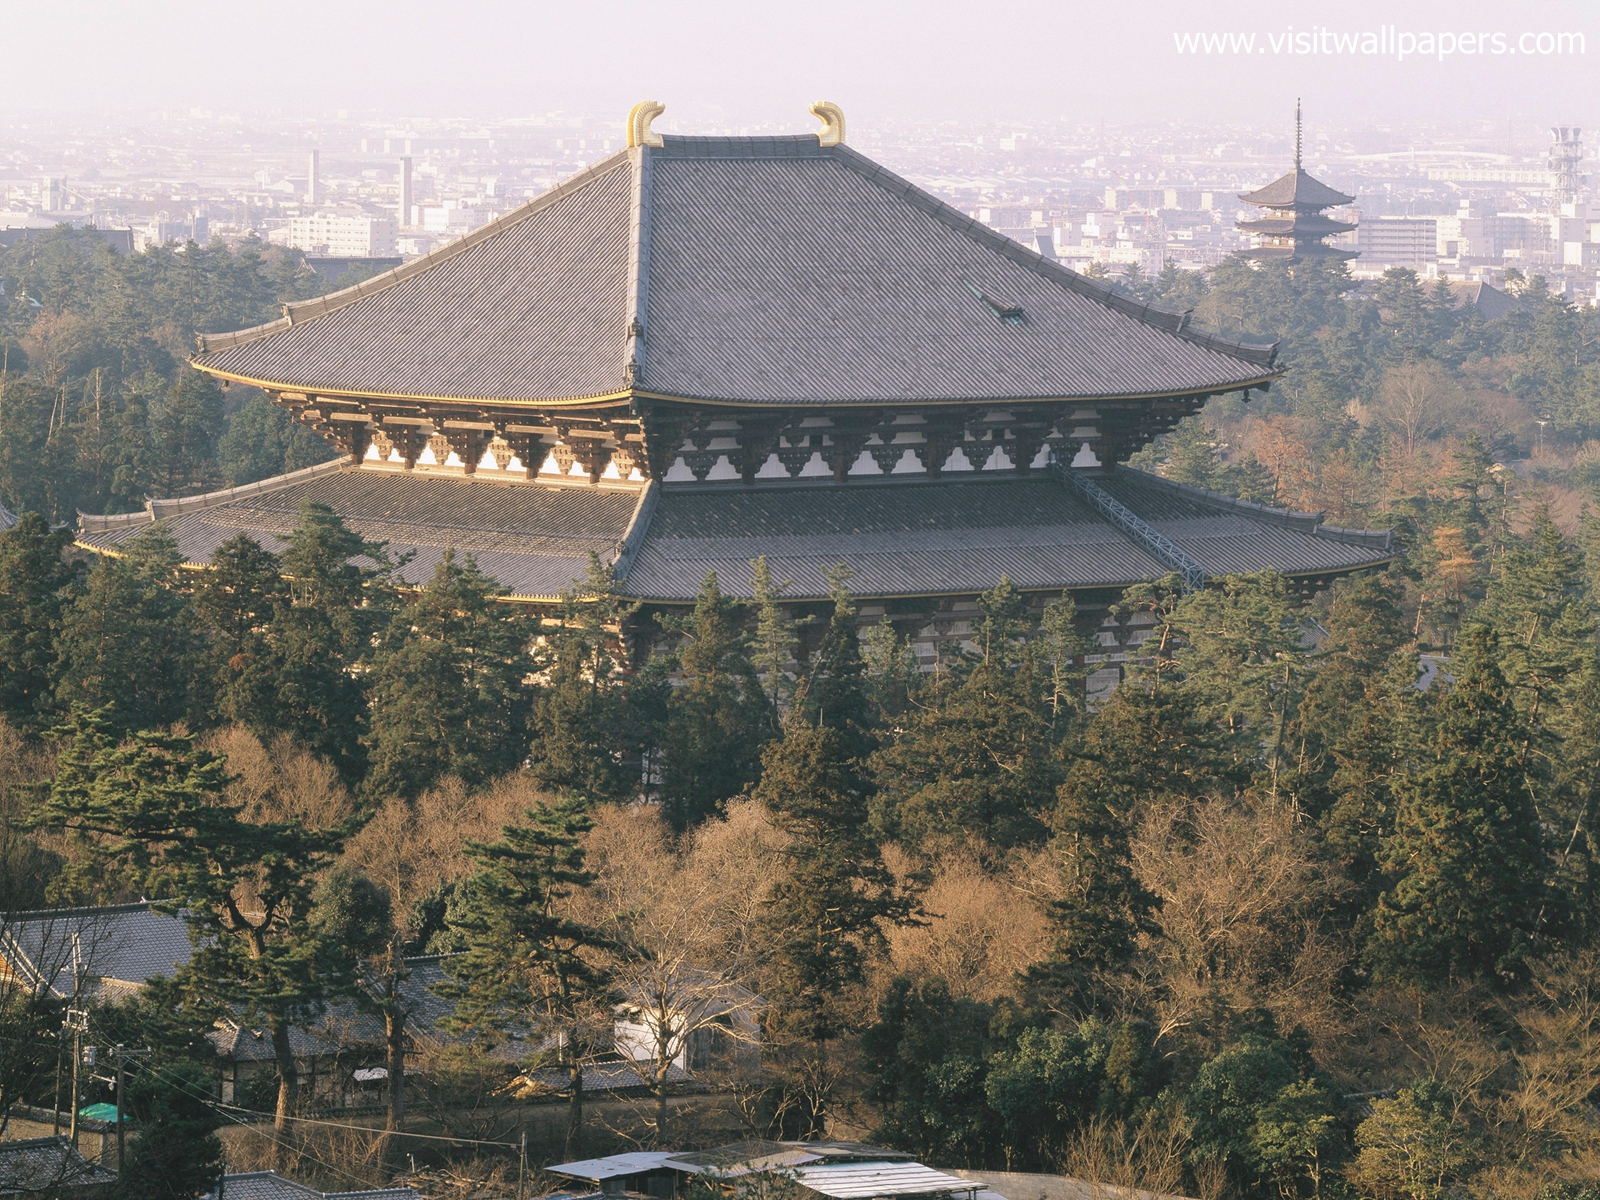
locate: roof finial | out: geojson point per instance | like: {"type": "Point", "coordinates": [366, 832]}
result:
{"type": "Point", "coordinates": [1297, 133]}
{"type": "Point", "coordinates": [832, 118]}
{"type": "Point", "coordinates": [639, 118]}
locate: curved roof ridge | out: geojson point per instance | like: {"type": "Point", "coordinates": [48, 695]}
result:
{"type": "Point", "coordinates": [299, 311]}
{"type": "Point", "coordinates": [159, 510]}
{"type": "Point", "coordinates": [1175, 323]}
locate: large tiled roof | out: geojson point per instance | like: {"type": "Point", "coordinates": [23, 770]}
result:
{"type": "Point", "coordinates": [101, 951]}
{"type": "Point", "coordinates": [1296, 189]}
{"type": "Point", "coordinates": [954, 535]}
{"type": "Point", "coordinates": [740, 270]}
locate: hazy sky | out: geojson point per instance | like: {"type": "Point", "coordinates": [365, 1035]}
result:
{"type": "Point", "coordinates": [711, 60]}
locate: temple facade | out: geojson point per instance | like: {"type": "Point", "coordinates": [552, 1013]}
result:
{"type": "Point", "coordinates": [1295, 225]}
{"type": "Point", "coordinates": [705, 349]}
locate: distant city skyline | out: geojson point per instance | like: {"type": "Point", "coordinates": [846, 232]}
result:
{"type": "Point", "coordinates": [716, 63]}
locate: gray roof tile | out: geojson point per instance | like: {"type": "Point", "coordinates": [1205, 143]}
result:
{"type": "Point", "coordinates": [115, 944]}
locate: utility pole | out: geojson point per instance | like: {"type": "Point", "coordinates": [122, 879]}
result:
{"type": "Point", "coordinates": [121, 1081]}
{"type": "Point", "coordinates": [78, 1022]}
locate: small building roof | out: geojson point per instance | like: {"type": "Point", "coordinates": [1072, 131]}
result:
{"type": "Point", "coordinates": [1297, 189]}
{"type": "Point", "coordinates": [48, 1164]}
{"type": "Point", "coordinates": [869, 1180]}
{"type": "Point", "coordinates": [756, 271]}
{"type": "Point", "coordinates": [612, 1166]}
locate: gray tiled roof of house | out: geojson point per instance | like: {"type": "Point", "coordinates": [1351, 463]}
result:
{"type": "Point", "coordinates": [902, 537]}
{"type": "Point", "coordinates": [121, 944]}
{"type": "Point", "coordinates": [48, 1165]}
{"type": "Point", "coordinates": [766, 270]}
{"type": "Point", "coordinates": [269, 1185]}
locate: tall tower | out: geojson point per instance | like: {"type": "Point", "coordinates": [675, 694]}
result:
{"type": "Point", "coordinates": [402, 218]}
{"type": "Point", "coordinates": [314, 178]}
{"type": "Point", "coordinates": [1565, 164]}
{"type": "Point", "coordinates": [1294, 226]}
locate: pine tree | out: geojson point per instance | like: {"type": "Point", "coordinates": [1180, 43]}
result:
{"type": "Point", "coordinates": [1465, 859]}
{"type": "Point", "coordinates": [448, 695]}
{"type": "Point", "coordinates": [974, 761]}
{"type": "Point", "coordinates": [527, 969]}
{"type": "Point", "coordinates": [152, 812]}
{"type": "Point", "coordinates": [828, 911]}
{"type": "Point", "coordinates": [586, 732]}
{"type": "Point", "coordinates": [323, 631]}
{"type": "Point", "coordinates": [718, 719]}
{"type": "Point", "coordinates": [235, 602]}
{"type": "Point", "coordinates": [128, 642]}
{"type": "Point", "coordinates": [773, 646]}
{"type": "Point", "coordinates": [36, 585]}
{"type": "Point", "coordinates": [1536, 602]}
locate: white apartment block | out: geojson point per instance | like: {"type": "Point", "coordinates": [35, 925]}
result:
{"type": "Point", "coordinates": [341, 237]}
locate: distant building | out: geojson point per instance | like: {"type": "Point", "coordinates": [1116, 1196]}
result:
{"type": "Point", "coordinates": [314, 178]}
{"type": "Point", "coordinates": [1297, 227]}
{"type": "Point", "coordinates": [1397, 242]}
{"type": "Point", "coordinates": [341, 236]}
{"type": "Point", "coordinates": [402, 214]}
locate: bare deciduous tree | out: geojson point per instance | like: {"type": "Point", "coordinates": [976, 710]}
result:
{"type": "Point", "coordinates": [1416, 401]}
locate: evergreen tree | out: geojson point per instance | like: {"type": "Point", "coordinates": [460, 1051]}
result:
{"type": "Point", "coordinates": [974, 760]}
{"type": "Point", "coordinates": [152, 813]}
{"type": "Point", "coordinates": [128, 642]}
{"type": "Point", "coordinates": [586, 734]}
{"type": "Point", "coordinates": [1537, 603]}
{"type": "Point", "coordinates": [925, 1059]}
{"type": "Point", "coordinates": [773, 646]}
{"type": "Point", "coordinates": [527, 969]}
{"type": "Point", "coordinates": [448, 695]}
{"type": "Point", "coordinates": [1465, 858]}
{"type": "Point", "coordinates": [718, 719]}
{"type": "Point", "coordinates": [36, 584]}
{"type": "Point", "coordinates": [177, 1154]}
{"type": "Point", "coordinates": [235, 603]}
{"type": "Point", "coordinates": [323, 631]}
{"type": "Point", "coordinates": [827, 913]}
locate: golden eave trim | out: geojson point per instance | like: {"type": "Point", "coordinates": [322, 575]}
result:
{"type": "Point", "coordinates": [310, 390]}
{"type": "Point", "coordinates": [627, 395]}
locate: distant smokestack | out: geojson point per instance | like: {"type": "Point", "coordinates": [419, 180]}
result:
{"type": "Point", "coordinates": [403, 216]}
{"type": "Point", "coordinates": [314, 178]}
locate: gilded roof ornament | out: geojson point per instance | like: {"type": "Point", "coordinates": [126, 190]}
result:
{"type": "Point", "coordinates": [832, 118]}
{"type": "Point", "coordinates": [639, 118]}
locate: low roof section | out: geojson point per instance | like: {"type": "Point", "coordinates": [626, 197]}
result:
{"type": "Point", "coordinates": [955, 535]}
{"type": "Point", "coordinates": [752, 271]}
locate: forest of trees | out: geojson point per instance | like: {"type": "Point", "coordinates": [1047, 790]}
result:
{"type": "Point", "coordinates": [1272, 920]}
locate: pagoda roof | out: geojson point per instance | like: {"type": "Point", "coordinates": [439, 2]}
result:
{"type": "Point", "coordinates": [1304, 224]}
{"type": "Point", "coordinates": [1297, 189]}
{"type": "Point", "coordinates": [954, 535]}
{"type": "Point", "coordinates": [742, 271]}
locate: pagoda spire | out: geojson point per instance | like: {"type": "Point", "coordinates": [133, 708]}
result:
{"type": "Point", "coordinates": [1297, 133]}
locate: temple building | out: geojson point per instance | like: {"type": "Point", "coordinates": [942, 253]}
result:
{"type": "Point", "coordinates": [705, 349]}
{"type": "Point", "coordinates": [1295, 229]}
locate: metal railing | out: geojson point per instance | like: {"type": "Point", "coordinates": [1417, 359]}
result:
{"type": "Point", "coordinates": [1191, 572]}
